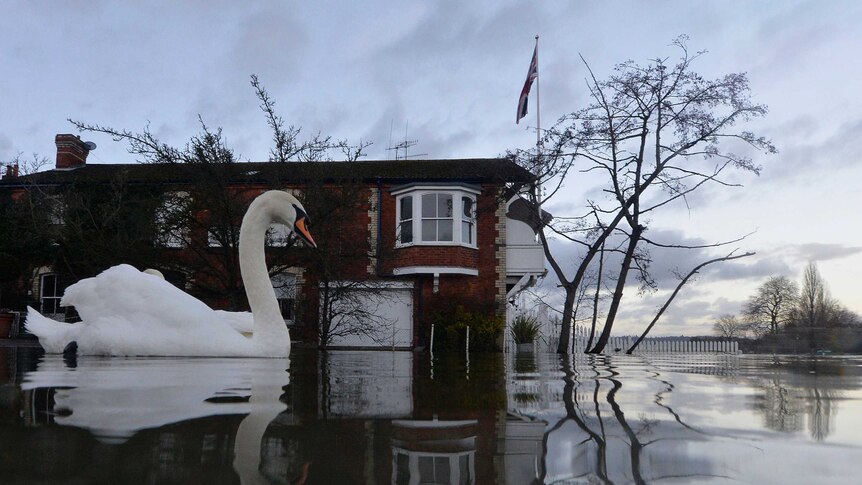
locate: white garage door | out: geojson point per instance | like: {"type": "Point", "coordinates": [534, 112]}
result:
{"type": "Point", "coordinates": [376, 317]}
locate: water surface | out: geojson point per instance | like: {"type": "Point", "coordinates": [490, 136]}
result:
{"type": "Point", "coordinates": [400, 417]}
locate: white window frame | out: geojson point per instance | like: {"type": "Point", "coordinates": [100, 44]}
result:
{"type": "Point", "coordinates": [55, 297]}
{"type": "Point", "coordinates": [456, 192]}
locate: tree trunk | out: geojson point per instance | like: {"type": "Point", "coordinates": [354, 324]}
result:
{"type": "Point", "coordinates": [596, 297]}
{"type": "Point", "coordinates": [565, 326]}
{"type": "Point", "coordinates": [618, 291]}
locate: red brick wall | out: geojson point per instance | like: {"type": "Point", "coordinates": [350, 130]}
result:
{"type": "Point", "coordinates": [436, 256]}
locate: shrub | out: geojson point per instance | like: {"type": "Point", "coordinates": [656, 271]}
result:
{"type": "Point", "coordinates": [452, 329]}
{"type": "Point", "coordinates": [525, 328]}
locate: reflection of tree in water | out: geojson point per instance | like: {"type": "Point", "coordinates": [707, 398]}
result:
{"type": "Point", "coordinates": [787, 397]}
{"type": "Point", "coordinates": [599, 448]}
{"type": "Point", "coordinates": [783, 408]}
{"type": "Point", "coordinates": [780, 410]}
{"type": "Point", "coordinates": [820, 407]}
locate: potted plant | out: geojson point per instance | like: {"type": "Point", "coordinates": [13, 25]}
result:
{"type": "Point", "coordinates": [525, 329]}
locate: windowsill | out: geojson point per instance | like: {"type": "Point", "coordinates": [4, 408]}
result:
{"type": "Point", "coordinates": [437, 244]}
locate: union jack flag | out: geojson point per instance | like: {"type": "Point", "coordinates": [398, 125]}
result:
{"type": "Point", "coordinates": [532, 74]}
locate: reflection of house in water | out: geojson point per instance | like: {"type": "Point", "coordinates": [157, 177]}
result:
{"type": "Point", "coordinates": [433, 451]}
{"type": "Point", "coordinates": [521, 446]}
{"type": "Point", "coordinates": [346, 388]}
{"type": "Point", "coordinates": [382, 418]}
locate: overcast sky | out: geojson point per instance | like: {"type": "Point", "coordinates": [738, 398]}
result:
{"type": "Point", "coordinates": [448, 74]}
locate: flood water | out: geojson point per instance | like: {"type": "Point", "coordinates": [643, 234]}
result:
{"type": "Point", "coordinates": [404, 418]}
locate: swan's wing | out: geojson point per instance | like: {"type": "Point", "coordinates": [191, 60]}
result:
{"type": "Point", "coordinates": [242, 322]}
{"type": "Point", "coordinates": [53, 335]}
{"type": "Point", "coordinates": [124, 293]}
{"type": "Point", "coordinates": [127, 312]}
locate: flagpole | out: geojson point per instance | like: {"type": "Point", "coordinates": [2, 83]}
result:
{"type": "Point", "coordinates": [538, 137]}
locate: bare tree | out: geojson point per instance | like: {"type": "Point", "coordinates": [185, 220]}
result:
{"type": "Point", "coordinates": [654, 134]}
{"type": "Point", "coordinates": [728, 326]}
{"type": "Point", "coordinates": [771, 307]}
{"type": "Point", "coordinates": [347, 306]}
{"type": "Point", "coordinates": [212, 207]}
{"type": "Point", "coordinates": [814, 304]}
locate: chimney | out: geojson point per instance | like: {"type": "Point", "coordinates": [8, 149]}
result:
{"type": "Point", "coordinates": [11, 171]}
{"type": "Point", "coordinates": [71, 151]}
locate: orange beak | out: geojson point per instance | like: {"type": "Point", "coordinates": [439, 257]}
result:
{"type": "Point", "coordinates": [301, 229]}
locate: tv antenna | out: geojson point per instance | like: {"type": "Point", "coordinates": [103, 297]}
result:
{"type": "Point", "coordinates": [403, 146]}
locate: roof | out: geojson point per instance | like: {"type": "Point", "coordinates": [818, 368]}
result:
{"type": "Point", "coordinates": [475, 170]}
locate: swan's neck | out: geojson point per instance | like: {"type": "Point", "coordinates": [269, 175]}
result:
{"type": "Point", "coordinates": [269, 326]}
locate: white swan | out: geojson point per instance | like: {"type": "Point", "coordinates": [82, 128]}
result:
{"type": "Point", "coordinates": [128, 312]}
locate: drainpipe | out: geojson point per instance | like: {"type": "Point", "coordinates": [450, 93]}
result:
{"type": "Point", "coordinates": [420, 313]}
{"type": "Point", "coordinates": [379, 220]}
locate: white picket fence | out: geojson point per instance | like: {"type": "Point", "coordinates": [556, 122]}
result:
{"type": "Point", "coordinates": [618, 345]}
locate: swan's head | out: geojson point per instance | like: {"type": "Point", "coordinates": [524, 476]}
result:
{"type": "Point", "coordinates": [296, 218]}
{"type": "Point", "coordinates": [300, 225]}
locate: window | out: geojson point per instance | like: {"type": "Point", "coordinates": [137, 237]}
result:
{"type": "Point", "coordinates": [405, 221]}
{"type": "Point", "coordinates": [284, 285]}
{"type": "Point", "coordinates": [171, 226]}
{"type": "Point", "coordinates": [468, 220]}
{"type": "Point", "coordinates": [56, 210]}
{"type": "Point", "coordinates": [436, 216]}
{"type": "Point", "coordinates": [50, 294]}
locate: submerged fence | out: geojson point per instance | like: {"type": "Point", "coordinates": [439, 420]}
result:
{"type": "Point", "coordinates": [619, 345]}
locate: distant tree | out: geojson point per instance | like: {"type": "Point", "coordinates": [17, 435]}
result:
{"type": "Point", "coordinates": [728, 326]}
{"type": "Point", "coordinates": [841, 316]}
{"type": "Point", "coordinates": [654, 134]}
{"type": "Point", "coordinates": [814, 305]}
{"type": "Point", "coordinates": [772, 305]}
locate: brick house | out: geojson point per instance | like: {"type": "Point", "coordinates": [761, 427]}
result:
{"type": "Point", "coordinates": [429, 233]}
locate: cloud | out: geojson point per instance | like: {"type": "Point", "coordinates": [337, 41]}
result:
{"type": "Point", "coordinates": [802, 253]}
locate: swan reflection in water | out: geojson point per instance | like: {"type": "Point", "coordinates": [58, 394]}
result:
{"type": "Point", "coordinates": [114, 399]}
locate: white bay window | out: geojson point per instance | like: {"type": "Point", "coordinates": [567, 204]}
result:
{"type": "Point", "coordinates": [431, 215]}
